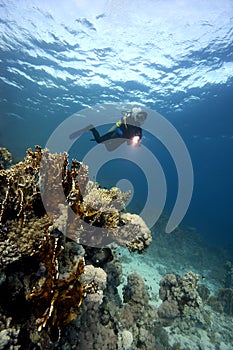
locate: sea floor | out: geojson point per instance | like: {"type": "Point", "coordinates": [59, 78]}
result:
{"type": "Point", "coordinates": [178, 253]}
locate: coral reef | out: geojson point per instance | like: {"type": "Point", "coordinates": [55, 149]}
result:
{"type": "Point", "coordinates": [134, 292]}
{"type": "Point", "coordinates": [53, 301]}
{"type": "Point", "coordinates": [8, 338]}
{"type": "Point", "coordinates": [138, 316]}
{"type": "Point", "coordinates": [134, 234]}
{"type": "Point", "coordinates": [125, 338]}
{"type": "Point", "coordinates": [96, 218]}
{"type": "Point", "coordinates": [22, 210]}
{"type": "Point", "coordinates": [116, 325]}
{"type": "Point", "coordinates": [19, 190]}
{"type": "Point", "coordinates": [178, 293]}
{"type": "Point", "coordinates": [17, 241]}
{"type": "Point", "coordinates": [59, 291]}
{"type": "Point", "coordinates": [44, 281]}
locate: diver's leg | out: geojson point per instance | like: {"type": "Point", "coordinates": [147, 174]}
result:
{"type": "Point", "coordinates": [111, 139]}
{"type": "Point", "coordinates": [96, 135]}
{"type": "Point", "coordinates": [99, 139]}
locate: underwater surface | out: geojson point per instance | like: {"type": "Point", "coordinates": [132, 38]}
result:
{"type": "Point", "coordinates": [174, 59]}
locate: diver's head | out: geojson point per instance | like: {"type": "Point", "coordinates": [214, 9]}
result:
{"type": "Point", "coordinates": [141, 117]}
{"type": "Point", "coordinates": [138, 115]}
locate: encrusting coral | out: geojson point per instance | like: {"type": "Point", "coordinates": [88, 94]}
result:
{"type": "Point", "coordinates": [178, 293]}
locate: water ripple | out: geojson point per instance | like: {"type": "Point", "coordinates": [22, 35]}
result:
{"type": "Point", "coordinates": [149, 52]}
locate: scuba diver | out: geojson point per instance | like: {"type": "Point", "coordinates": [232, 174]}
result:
{"type": "Point", "coordinates": [127, 128]}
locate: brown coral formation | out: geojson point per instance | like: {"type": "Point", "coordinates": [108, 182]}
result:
{"type": "Point", "coordinates": [96, 218]}
{"type": "Point", "coordinates": [43, 278]}
{"type": "Point", "coordinates": [20, 195]}
{"type": "Point", "coordinates": [178, 293]}
{"type": "Point", "coordinates": [46, 176]}
{"type": "Point", "coordinates": [57, 301]}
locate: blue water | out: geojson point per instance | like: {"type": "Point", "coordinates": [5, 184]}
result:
{"type": "Point", "coordinates": [175, 57]}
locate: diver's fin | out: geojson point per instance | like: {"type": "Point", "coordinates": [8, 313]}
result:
{"type": "Point", "coordinates": [78, 133]}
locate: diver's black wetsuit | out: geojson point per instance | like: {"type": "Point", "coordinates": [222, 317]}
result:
{"type": "Point", "coordinates": [126, 132]}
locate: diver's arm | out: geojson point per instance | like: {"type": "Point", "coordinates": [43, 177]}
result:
{"type": "Point", "coordinates": [119, 123]}
{"type": "Point", "coordinates": [124, 119]}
